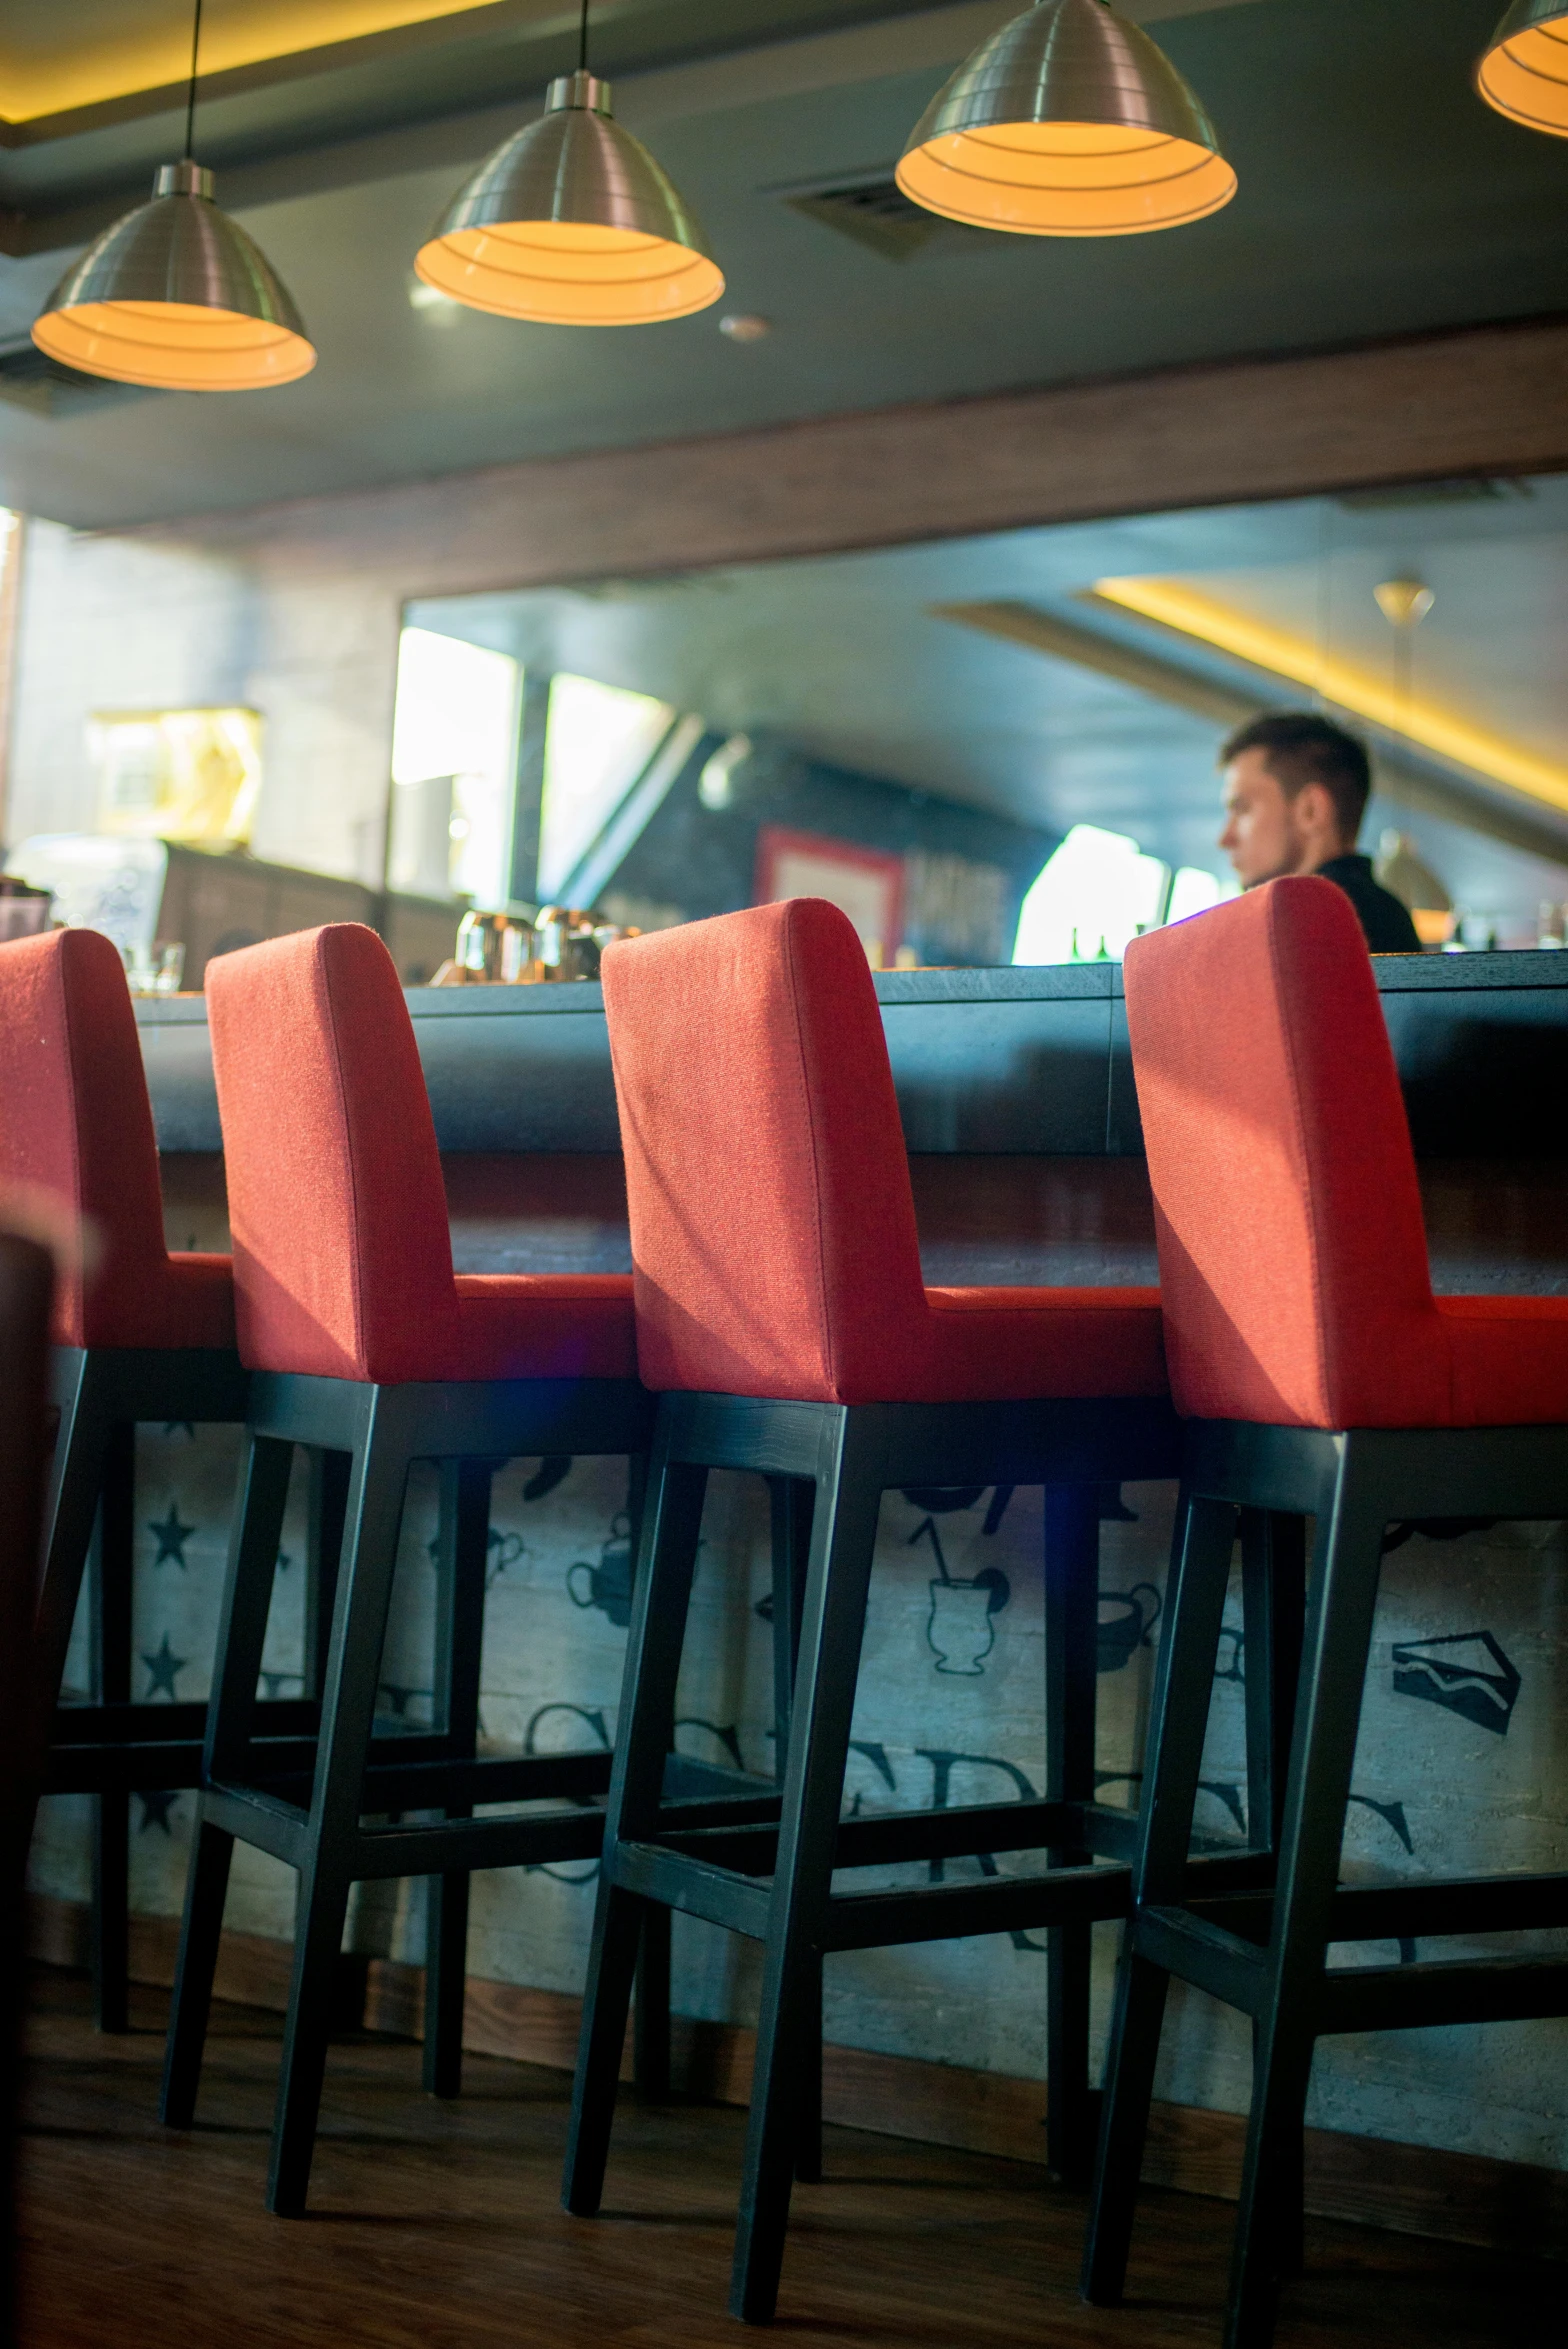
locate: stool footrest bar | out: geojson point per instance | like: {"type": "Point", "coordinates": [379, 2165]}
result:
{"type": "Point", "coordinates": [891, 1839]}
{"type": "Point", "coordinates": [533, 1842]}
{"type": "Point", "coordinates": [438, 1785]}
{"type": "Point", "coordinates": [1466, 1990]}
{"type": "Point", "coordinates": [1195, 1951]}
{"type": "Point", "coordinates": [692, 1886]}
{"type": "Point", "coordinates": [259, 1819]}
{"type": "Point", "coordinates": [126, 1724]}
{"type": "Point", "coordinates": [1002, 1904]}
{"type": "Point", "coordinates": [1394, 1912]}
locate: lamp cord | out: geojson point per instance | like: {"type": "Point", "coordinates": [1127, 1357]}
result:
{"type": "Point", "coordinates": [190, 102]}
{"type": "Point", "coordinates": [582, 38]}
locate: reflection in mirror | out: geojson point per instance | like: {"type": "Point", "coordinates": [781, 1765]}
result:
{"type": "Point", "coordinates": [599, 739]}
{"type": "Point", "coordinates": [1032, 719]}
{"type": "Point", "coordinates": [454, 755]}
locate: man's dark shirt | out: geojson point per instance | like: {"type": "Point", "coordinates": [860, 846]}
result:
{"type": "Point", "coordinates": [1386, 923]}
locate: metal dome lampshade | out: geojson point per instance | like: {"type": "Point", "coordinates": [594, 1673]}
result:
{"type": "Point", "coordinates": [176, 296]}
{"type": "Point", "coordinates": [1523, 71]}
{"type": "Point", "coordinates": [1069, 122]}
{"type": "Point", "coordinates": [572, 223]}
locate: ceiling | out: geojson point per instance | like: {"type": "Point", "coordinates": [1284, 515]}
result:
{"type": "Point", "coordinates": [1377, 196]}
{"type": "Point", "coordinates": [845, 659]}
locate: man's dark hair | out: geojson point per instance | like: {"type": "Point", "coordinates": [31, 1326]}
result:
{"type": "Point", "coordinates": [1299, 749]}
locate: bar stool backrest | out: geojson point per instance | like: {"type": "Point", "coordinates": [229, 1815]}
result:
{"type": "Point", "coordinates": [1293, 1264]}
{"type": "Point", "coordinates": [774, 1249]}
{"type": "Point", "coordinates": [76, 1131]}
{"type": "Point", "coordinates": [342, 1249]}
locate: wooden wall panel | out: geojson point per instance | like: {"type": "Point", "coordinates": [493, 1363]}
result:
{"type": "Point", "coordinates": [1485, 400]}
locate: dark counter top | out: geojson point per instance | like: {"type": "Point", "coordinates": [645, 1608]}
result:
{"type": "Point", "coordinates": [991, 1062]}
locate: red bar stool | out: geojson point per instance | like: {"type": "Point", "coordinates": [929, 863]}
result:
{"type": "Point", "coordinates": [1320, 1377]}
{"type": "Point", "coordinates": [361, 1340]}
{"type": "Point", "coordinates": [140, 1335]}
{"type": "Point", "coordinates": [782, 1318]}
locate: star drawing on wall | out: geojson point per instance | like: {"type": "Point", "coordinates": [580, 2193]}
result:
{"type": "Point", "coordinates": [163, 1669]}
{"type": "Point", "coordinates": [171, 1536]}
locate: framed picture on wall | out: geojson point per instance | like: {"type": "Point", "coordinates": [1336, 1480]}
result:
{"type": "Point", "coordinates": [865, 883]}
{"type": "Point", "coordinates": [177, 774]}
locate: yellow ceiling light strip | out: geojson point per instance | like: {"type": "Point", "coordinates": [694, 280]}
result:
{"type": "Point", "coordinates": [1200, 618]}
{"type": "Point", "coordinates": [81, 62]}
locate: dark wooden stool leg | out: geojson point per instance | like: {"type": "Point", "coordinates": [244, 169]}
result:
{"type": "Point", "coordinates": [190, 2007]}
{"type": "Point", "coordinates": [462, 1554]}
{"type": "Point", "coordinates": [1341, 1604]}
{"type": "Point", "coordinates": [348, 1708]}
{"type": "Point", "coordinates": [661, 1597]}
{"type": "Point", "coordinates": [848, 1500]}
{"type": "Point", "coordinates": [111, 1582]}
{"type": "Point", "coordinates": [1274, 1590]}
{"type": "Point", "coordinates": [790, 1501]}
{"type": "Point", "coordinates": [651, 1995]}
{"type": "Point", "coordinates": [808, 2118]}
{"type": "Point", "coordinates": [1072, 1613]}
{"type": "Point", "coordinates": [76, 1473]}
{"type": "Point", "coordinates": [231, 1712]}
{"type": "Point", "coordinates": [326, 1510]}
{"type": "Point", "coordinates": [1179, 1717]}
{"type": "Point", "coordinates": [1273, 1585]}
{"type": "Point", "coordinates": [83, 1440]}
{"type": "Point", "coordinates": [651, 2007]}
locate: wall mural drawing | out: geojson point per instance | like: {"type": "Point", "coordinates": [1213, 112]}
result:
{"type": "Point", "coordinates": [1466, 1672]}
{"type": "Point", "coordinates": [608, 1586]}
{"type": "Point", "coordinates": [1127, 1617]}
{"type": "Point", "coordinates": [961, 1627]}
{"type": "Point", "coordinates": [171, 1536]}
{"type": "Point", "coordinates": [950, 1710]}
{"type": "Point", "coordinates": [163, 1669]}
{"type": "Point", "coordinates": [546, 1477]}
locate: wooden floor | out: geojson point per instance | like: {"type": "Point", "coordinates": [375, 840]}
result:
{"type": "Point", "coordinates": [434, 2227]}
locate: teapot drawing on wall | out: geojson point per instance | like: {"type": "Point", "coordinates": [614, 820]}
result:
{"type": "Point", "coordinates": [1126, 1620]}
{"type": "Point", "coordinates": [608, 1585]}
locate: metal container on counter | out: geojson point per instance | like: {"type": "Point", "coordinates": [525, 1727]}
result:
{"type": "Point", "coordinates": [495, 949]}
{"type": "Point", "coordinates": [509, 950]}
{"type": "Point", "coordinates": [570, 942]}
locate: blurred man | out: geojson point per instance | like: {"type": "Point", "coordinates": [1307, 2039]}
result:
{"type": "Point", "coordinates": [1296, 788]}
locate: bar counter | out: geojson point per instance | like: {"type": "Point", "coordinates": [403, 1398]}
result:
{"type": "Point", "coordinates": [1016, 1092]}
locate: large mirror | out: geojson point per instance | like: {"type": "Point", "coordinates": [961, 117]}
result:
{"type": "Point", "coordinates": [919, 733]}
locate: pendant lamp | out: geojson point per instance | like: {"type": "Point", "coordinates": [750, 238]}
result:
{"type": "Point", "coordinates": [175, 295]}
{"type": "Point", "coordinates": [572, 223]}
{"type": "Point", "coordinates": [1069, 122]}
{"type": "Point", "coordinates": [1524, 69]}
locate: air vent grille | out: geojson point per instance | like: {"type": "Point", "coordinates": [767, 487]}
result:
{"type": "Point", "coordinates": [1471, 490]}
{"type": "Point", "coordinates": [871, 209]}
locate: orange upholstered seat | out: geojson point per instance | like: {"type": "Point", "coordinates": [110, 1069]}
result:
{"type": "Point", "coordinates": [1293, 1259]}
{"type": "Point", "coordinates": [342, 1252]}
{"type": "Point", "coordinates": [774, 1247]}
{"type": "Point", "coordinates": [76, 1137]}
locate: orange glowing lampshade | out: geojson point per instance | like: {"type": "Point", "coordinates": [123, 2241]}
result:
{"type": "Point", "coordinates": [1523, 71]}
{"type": "Point", "coordinates": [176, 296]}
{"type": "Point", "coordinates": [1069, 122]}
{"type": "Point", "coordinates": [572, 223]}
